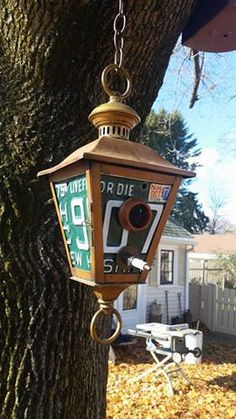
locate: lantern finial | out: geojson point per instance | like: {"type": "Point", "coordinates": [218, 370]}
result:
{"type": "Point", "coordinates": [114, 118]}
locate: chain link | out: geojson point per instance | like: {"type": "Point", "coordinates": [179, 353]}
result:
{"type": "Point", "coordinates": [119, 27]}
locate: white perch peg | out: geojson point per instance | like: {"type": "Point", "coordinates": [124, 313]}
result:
{"type": "Point", "coordinates": [139, 263]}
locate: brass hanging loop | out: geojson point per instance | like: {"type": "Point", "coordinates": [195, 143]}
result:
{"type": "Point", "coordinates": [106, 309]}
{"type": "Point", "coordinates": [112, 68]}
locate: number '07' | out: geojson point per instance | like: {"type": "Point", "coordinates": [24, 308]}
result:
{"type": "Point", "coordinates": [157, 208]}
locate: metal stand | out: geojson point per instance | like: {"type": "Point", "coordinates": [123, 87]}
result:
{"type": "Point", "coordinates": [162, 367]}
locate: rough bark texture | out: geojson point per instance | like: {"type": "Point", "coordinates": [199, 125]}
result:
{"type": "Point", "coordinates": [51, 57]}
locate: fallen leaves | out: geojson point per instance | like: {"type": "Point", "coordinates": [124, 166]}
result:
{"type": "Point", "coordinates": [211, 393]}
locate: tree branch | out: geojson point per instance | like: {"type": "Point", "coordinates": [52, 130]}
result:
{"type": "Point", "coordinates": [198, 76]}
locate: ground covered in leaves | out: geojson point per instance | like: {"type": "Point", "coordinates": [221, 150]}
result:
{"type": "Point", "coordinates": [211, 394]}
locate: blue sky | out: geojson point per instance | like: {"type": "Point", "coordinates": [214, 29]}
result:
{"type": "Point", "coordinates": [212, 121]}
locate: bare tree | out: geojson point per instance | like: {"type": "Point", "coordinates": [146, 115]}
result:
{"type": "Point", "coordinates": [218, 222]}
{"type": "Point", "coordinates": [227, 144]}
{"type": "Point", "coordinates": [199, 75]}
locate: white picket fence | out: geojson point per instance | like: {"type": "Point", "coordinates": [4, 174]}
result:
{"type": "Point", "coordinates": [214, 306]}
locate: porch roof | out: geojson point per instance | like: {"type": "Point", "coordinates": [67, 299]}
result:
{"type": "Point", "coordinates": [172, 230]}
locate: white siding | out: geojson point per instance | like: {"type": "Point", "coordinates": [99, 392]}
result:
{"type": "Point", "coordinates": [181, 265]}
{"type": "Point", "coordinates": [158, 294]}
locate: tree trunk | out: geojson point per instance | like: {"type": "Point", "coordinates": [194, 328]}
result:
{"type": "Point", "coordinates": [52, 55]}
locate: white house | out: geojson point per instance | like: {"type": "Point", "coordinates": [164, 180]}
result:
{"type": "Point", "coordinates": [167, 284]}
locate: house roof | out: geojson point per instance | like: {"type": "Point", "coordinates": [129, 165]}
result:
{"type": "Point", "coordinates": [215, 243]}
{"type": "Point", "coordinates": [173, 230]}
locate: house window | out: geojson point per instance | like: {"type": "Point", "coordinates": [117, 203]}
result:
{"type": "Point", "coordinates": [130, 298]}
{"type": "Point", "coordinates": [167, 267]}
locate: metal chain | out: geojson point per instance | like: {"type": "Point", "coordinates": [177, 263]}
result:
{"type": "Point", "coordinates": [119, 27]}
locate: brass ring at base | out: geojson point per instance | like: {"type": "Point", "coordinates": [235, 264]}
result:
{"type": "Point", "coordinates": [121, 71]}
{"type": "Point", "coordinates": [113, 337]}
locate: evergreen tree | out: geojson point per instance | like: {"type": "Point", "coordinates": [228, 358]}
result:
{"type": "Point", "coordinates": [188, 213]}
{"type": "Point", "coordinates": [168, 134]}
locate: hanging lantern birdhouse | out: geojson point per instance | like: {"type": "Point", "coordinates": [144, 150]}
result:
{"type": "Point", "coordinates": [212, 26]}
{"type": "Point", "coordinates": [113, 198]}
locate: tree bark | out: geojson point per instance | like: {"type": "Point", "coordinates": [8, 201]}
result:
{"type": "Point", "coordinates": [51, 56]}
